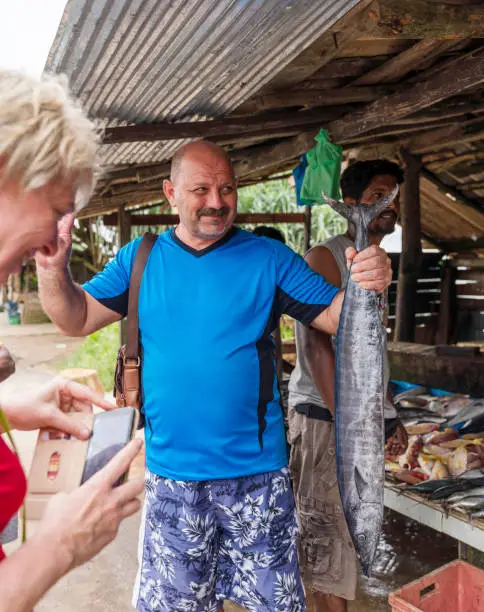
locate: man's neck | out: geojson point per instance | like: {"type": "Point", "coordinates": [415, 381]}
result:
{"type": "Point", "coordinates": [195, 242]}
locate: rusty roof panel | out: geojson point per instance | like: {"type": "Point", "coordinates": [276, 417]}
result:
{"type": "Point", "coordinates": [135, 61]}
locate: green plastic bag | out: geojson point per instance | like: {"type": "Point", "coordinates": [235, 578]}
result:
{"type": "Point", "coordinates": [323, 171]}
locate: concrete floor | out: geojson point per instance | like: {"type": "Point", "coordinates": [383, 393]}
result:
{"type": "Point", "coordinates": [407, 550]}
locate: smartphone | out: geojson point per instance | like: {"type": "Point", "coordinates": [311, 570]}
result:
{"type": "Point", "coordinates": [111, 431]}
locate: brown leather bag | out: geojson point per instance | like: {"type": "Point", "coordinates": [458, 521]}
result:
{"type": "Point", "coordinates": [127, 377]}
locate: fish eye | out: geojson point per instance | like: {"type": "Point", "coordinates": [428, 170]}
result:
{"type": "Point", "coordinates": [361, 538]}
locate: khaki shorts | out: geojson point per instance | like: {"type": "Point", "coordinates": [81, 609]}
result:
{"type": "Point", "coordinates": [326, 554]}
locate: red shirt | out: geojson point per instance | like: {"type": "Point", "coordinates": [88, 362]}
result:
{"type": "Point", "coordinates": [13, 486]}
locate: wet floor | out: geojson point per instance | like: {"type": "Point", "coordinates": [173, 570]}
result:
{"type": "Point", "coordinates": [407, 551]}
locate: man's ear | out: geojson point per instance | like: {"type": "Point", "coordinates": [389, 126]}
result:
{"type": "Point", "coordinates": [169, 191]}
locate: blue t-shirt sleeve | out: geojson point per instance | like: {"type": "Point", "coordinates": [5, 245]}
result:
{"type": "Point", "coordinates": [301, 293]}
{"type": "Point", "coordinates": [110, 287]}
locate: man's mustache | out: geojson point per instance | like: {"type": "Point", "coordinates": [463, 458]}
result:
{"type": "Point", "coordinates": [213, 212]}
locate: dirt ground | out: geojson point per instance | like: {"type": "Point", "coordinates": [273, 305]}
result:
{"type": "Point", "coordinates": [407, 550]}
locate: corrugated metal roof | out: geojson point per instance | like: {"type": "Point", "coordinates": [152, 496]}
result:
{"type": "Point", "coordinates": [136, 61]}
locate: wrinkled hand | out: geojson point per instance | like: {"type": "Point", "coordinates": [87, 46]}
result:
{"type": "Point", "coordinates": [80, 524]}
{"type": "Point", "coordinates": [397, 443]}
{"type": "Point", "coordinates": [371, 268]}
{"type": "Point", "coordinates": [64, 244]}
{"type": "Point", "coordinates": [7, 364]}
{"type": "Point", "coordinates": [48, 407]}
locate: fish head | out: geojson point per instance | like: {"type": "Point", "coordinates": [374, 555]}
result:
{"type": "Point", "coordinates": [366, 534]}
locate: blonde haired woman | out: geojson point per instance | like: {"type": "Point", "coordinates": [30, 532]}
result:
{"type": "Point", "coordinates": [48, 156]}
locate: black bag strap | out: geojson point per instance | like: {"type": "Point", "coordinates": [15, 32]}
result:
{"type": "Point", "coordinates": [144, 250]}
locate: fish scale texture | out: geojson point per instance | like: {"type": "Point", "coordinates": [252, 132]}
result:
{"type": "Point", "coordinates": [359, 418]}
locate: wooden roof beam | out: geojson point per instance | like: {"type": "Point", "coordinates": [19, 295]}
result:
{"type": "Point", "coordinates": [456, 79]}
{"type": "Point", "coordinates": [266, 156]}
{"type": "Point", "coordinates": [452, 191]}
{"type": "Point", "coordinates": [422, 19]}
{"type": "Point", "coordinates": [226, 128]}
{"type": "Point", "coordinates": [390, 19]}
{"type": "Point", "coordinates": [353, 24]}
{"type": "Point", "coordinates": [400, 65]}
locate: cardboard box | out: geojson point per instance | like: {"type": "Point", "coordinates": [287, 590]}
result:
{"type": "Point", "coordinates": [57, 466]}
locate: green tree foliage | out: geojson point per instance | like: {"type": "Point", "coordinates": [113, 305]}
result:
{"type": "Point", "coordinates": [280, 196]}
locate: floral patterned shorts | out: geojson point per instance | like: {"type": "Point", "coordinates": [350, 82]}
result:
{"type": "Point", "coordinates": [204, 542]}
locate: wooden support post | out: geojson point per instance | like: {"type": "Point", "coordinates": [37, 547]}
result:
{"type": "Point", "coordinates": [411, 255]}
{"type": "Point", "coordinates": [447, 305]}
{"type": "Point", "coordinates": [124, 226]}
{"type": "Point", "coordinates": [307, 228]}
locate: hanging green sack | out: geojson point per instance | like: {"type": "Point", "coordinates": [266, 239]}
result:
{"type": "Point", "coordinates": [323, 171]}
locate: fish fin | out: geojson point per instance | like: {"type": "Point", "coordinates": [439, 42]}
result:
{"type": "Point", "coordinates": [345, 210]}
{"type": "Point", "coordinates": [360, 482]}
{"type": "Point", "coordinates": [372, 212]}
{"type": "Point", "coordinates": [368, 212]}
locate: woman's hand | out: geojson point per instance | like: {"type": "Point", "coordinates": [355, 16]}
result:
{"type": "Point", "coordinates": [49, 406]}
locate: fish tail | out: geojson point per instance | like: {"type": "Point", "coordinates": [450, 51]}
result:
{"type": "Point", "coordinates": [368, 212]}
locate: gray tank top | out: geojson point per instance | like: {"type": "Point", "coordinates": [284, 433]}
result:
{"type": "Point", "coordinates": [301, 386]}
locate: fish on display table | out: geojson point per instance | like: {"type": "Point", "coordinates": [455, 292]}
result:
{"type": "Point", "coordinates": [359, 398]}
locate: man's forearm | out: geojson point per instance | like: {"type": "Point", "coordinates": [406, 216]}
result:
{"type": "Point", "coordinates": [321, 363]}
{"type": "Point", "coordinates": [328, 320]}
{"type": "Point", "coordinates": [29, 573]}
{"type": "Point", "coordinates": [63, 300]}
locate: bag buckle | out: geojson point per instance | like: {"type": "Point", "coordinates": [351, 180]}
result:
{"type": "Point", "coordinates": [131, 362]}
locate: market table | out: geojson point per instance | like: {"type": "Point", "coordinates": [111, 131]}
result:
{"type": "Point", "coordinates": [453, 523]}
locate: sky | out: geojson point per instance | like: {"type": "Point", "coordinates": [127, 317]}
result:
{"type": "Point", "coordinates": [27, 30]}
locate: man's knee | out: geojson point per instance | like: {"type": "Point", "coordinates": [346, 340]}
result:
{"type": "Point", "coordinates": [322, 602]}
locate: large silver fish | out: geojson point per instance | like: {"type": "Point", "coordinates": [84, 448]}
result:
{"type": "Point", "coordinates": [359, 398]}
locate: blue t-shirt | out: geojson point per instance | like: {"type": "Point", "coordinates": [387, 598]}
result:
{"type": "Point", "coordinates": [210, 393]}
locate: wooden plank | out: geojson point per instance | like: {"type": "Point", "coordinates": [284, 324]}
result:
{"type": "Point", "coordinates": [433, 140]}
{"type": "Point", "coordinates": [244, 125]}
{"type": "Point", "coordinates": [355, 22]}
{"type": "Point", "coordinates": [420, 19]}
{"type": "Point", "coordinates": [411, 256]}
{"type": "Point", "coordinates": [139, 173]}
{"type": "Point", "coordinates": [99, 206]}
{"type": "Point", "coordinates": [421, 365]}
{"type": "Point", "coordinates": [466, 171]}
{"type": "Point", "coordinates": [467, 208]}
{"type": "Point", "coordinates": [348, 67]}
{"type": "Point", "coordinates": [462, 244]}
{"type": "Point", "coordinates": [473, 289]}
{"type": "Point", "coordinates": [264, 156]}
{"type": "Point", "coordinates": [470, 304]}
{"type": "Point", "coordinates": [471, 275]}
{"type": "Point", "coordinates": [367, 47]}
{"type": "Point", "coordinates": [399, 130]}
{"type": "Point", "coordinates": [443, 165]}
{"type": "Point", "coordinates": [471, 186]}
{"type": "Point", "coordinates": [472, 264]}
{"type": "Point", "coordinates": [243, 218]}
{"type": "Point", "coordinates": [447, 309]}
{"type": "Point", "coordinates": [455, 80]}
{"type": "Point", "coordinates": [311, 98]}
{"type": "Point", "coordinates": [397, 67]}
{"type": "Point", "coordinates": [440, 113]}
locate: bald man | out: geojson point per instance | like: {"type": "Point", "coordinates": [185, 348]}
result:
{"type": "Point", "coordinates": [219, 520]}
